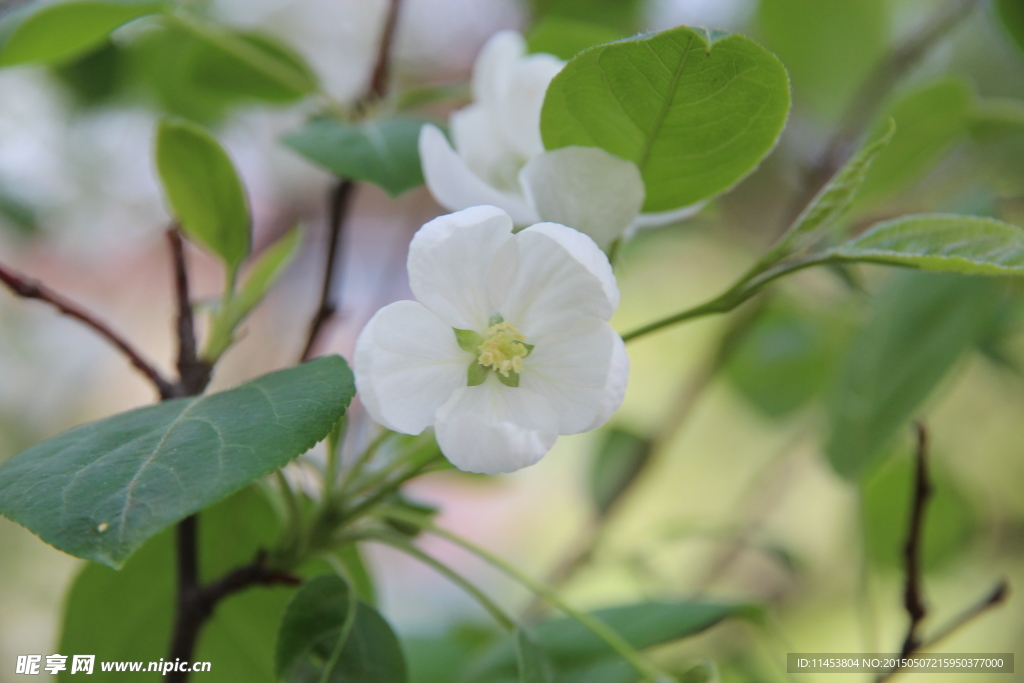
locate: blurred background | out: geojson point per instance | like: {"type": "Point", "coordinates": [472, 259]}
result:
{"type": "Point", "coordinates": [730, 415]}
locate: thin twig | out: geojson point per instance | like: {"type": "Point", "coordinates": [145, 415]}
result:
{"type": "Point", "coordinates": [913, 593]}
{"type": "Point", "coordinates": [33, 289]}
{"type": "Point", "coordinates": [382, 69]}
{"type": "Point", "coordinates": [994, 598]}
{"type": "Point", "coordinates": [873, 92]}
{"type": "Point", "coordinates": [330, 297]}
{"type": "Point", "coordinates": [194, 373]}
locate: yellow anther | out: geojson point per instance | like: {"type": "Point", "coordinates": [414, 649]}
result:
{"type": "Point", "coordinates": [503, 349]}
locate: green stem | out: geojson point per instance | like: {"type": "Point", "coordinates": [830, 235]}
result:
{"type": "Point", "coordinates": [596, 626]}
{"type": "Point", "coordinates": [360, 464]}
{"type": "Point", "coordinates": [504, 620]}
{"type": "Point", "coordinates": [747, 286]}
{"type": "Point", "coordinates": [334, 441]}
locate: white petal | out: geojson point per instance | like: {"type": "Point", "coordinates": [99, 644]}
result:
{"type": "Point", "coordinates": [492, 428]}
{"type": "Point", "coordinates": [571, 369]}
{"type": "Point", "coordinates": [660, 218]}
{"type": "Point", "coordinates": [585, 188]}
{"type": "Point", "coordinates": [522, 100]}
{"type": "Point", "coordinates": [455, 186]}
{"type": "Point", "coordinates": [547, 276]}
{"type": "Point", "coordinates": [407, 365]}
{"type": "Point", "coordinates": [615, 384]}
{"type": "Point", "coordinates": [480, 144]}
{"type": "Point", "coordinates": [449, 261]}
{"type": "Point", "coordinates": [493, 64]}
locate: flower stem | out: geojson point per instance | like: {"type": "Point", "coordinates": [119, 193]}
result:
{"type": "Point", "coordinates": [596, 626]}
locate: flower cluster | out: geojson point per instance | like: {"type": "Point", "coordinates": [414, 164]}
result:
{"type": "Point", "coordinates": [507, 347]}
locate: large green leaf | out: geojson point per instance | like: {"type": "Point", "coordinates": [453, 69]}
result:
{"type": "Point", "coordinates": [695, 110]}
{"type": "Point", "coordinates": [384, 151]}
{"type": "Point", "coordinates": [127, 615]}
{"type": "Point", "coordinates": [572, 648]}
{"type": "Point", "coordinates": [929, 121]}
{"type": "Point", "coordinates": [923, 324]}
{"type": "Point", "coordinates": [204, 190]}
{"type": "Point", "coordinates": [311, 630]}
{"type": "Point", "coordinates": [61, 31]}
{"type": "Point", "coordinates": [828, 46]}
{"type": "Point", "coordinates": [99, 491]}
{"type": "Point", "coordinates": [942, 242]}
{"type": "Point", "coordinates": [1012, 14]}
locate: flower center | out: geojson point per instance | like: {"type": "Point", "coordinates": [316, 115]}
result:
{"type": "Point", "coordinates": [503, 349]}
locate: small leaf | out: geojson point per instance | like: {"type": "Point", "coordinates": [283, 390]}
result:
{"type": "Point", "coordinates": [476, 374]}
{"type": "Point", "coordinates": [619, 460]}
{"type": "Point", "coordinates": [270, 265]}
{"type": "Point", "coordinates": [1012, 14]}
{"type": "Point", "coordinates": [923, 324]}
{"type": "Point", "coordinates": [59, 32]}
{"type": "Point", "coordinates": [469, 340]}
{"type": "Point", "coordinates": [940, 242]}
{"type": "Point", "coordinates": [312, 626]}
{"type": "Point", "coordinates": [384, 152]}
{"type": "Point", "coordinates": [929, 121]}
{"type": "Point", "coordinates": [696, 111]}
{"type": "Point", "coordinates": [565, 38]}
{"type": "Point", "coordinates": [127, 615]}
{"type": "Point", "coordinates": [833, 201]}
{"type": "Point", "coordinates": [533, 663]}
{"type": "Point", "coordinates": [509, 380]}
{"type": "Point", "coordinates": [204, 190]}
{"type": "Point", "coordinates": [119, 481]}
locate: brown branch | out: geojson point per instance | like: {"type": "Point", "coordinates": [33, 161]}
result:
{"type": "Point", "coordinates": [32, 289]}
{"type": "Point", "coordinates": [994, 598]}
{"type": "Point", "coordinates": [340, 201]}
{"type": "Point", "coordinates": [382, 69]}
{"type": "Point", "coordinates": [913, 593]}
{"type": "Point", "coordinates": [194, 373]}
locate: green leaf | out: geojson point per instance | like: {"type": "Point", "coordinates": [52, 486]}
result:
{"type": "Point", "coordinates": [994, 117]}
{"type": "Point", "coordinates": [618, 461]}
{"type": "Point", "coordinates": [929, 121]}
{"type": "Point", "coordinates": [476, 374]}
{"type": "Point", "coordinates": [834, 200]}
{"type": "Point", "coordinates": [566, 38]}
{"type": "Point", "coordinates": [533, 663]}
{"type": "Point", "coordinates": [784, 360]}
{"type": "Point", "coordinates": [270, 265]}
{"type": "Point", "coordinates": [61, 31]}
{"type": "Point", "coordinates": [311, 629]}
{"type": "Point", "coordinates": [469, 340]}
{"type": "Point", "coordinates": [696, 111]}
{"type": "Point", "coordinates": [96, 76]}
{"type": "Point", "coordinates": [384, 151]}
{"type": "Point", "coordinates": [249, 65]}
{"type": "Point", "coordinates": [99, 491]}
{"type": "Point", "coordinates": [940, 242]}
{"type": "Point", "coordinates": [573, 649]}
{"type": "Point", "coordinates": [203, 189]}
{"type": "Point", "coordinates": [949, 522]}
{"type": "Point", "coordinates": [828, 46]}
{"type": "Point", "coordinates": [1012, 14]}
{"type": "Point", "coordinates": [127, 615]}
{"type": "Point", "coordinates": [922, 325]}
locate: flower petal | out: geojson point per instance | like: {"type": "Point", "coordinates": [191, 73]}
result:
{"type": "Point", "coordinates": [548, 275]}
{"type": "Point", "coordinates": [449, 260]}
{"type": "Point", "coordinates": [455, 186]}
{"type": "Point", "coordinates": [585, 188]}
{"type": "Point", "coordinates": [492, 428]}
{"type": "Point", "coordinates": [572, 370]}
{"type": "Point", "coordinates": [480, 145]}
{"type": "Point", "coordinates": [407, 365]}
{"type": "Point", "coordinates": [614, 385]}
{"type": "Point", "coordinates": [510, 85]}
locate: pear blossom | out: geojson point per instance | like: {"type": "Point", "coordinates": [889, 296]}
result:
{"type": "Point", "coordinates": [499, 157]}
{"type": "Point", "coordinates": [507, 347]}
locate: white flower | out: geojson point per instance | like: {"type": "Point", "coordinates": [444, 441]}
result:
{"type": "Point", "coordinates": [499, 157]}
{"type": "Point", "coordinates": [508, 347]}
